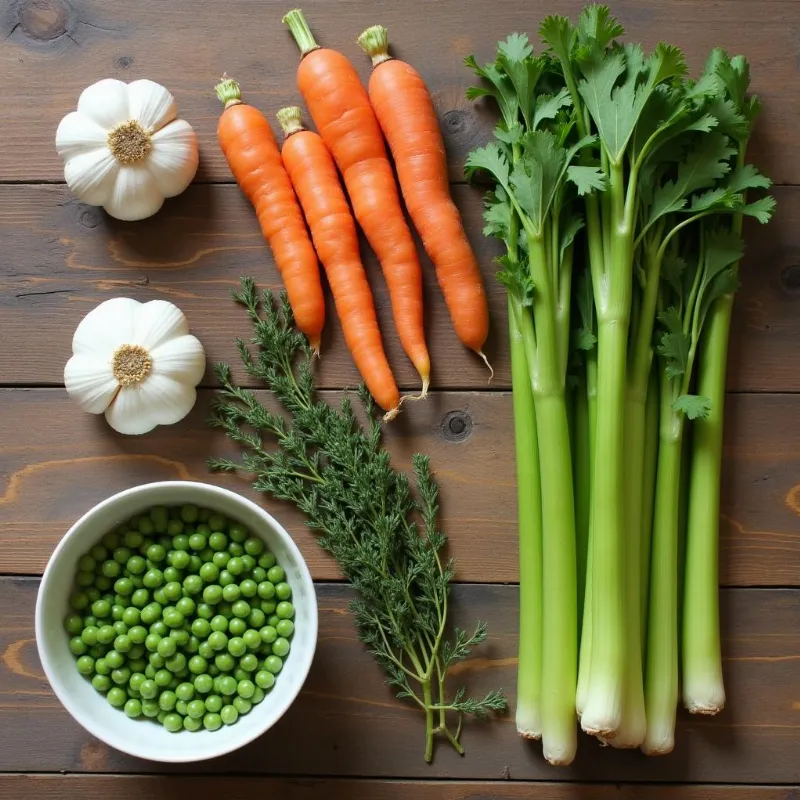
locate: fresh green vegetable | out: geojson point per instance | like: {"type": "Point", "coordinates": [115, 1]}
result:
{"type": "Point", "coordinates": [385, 540]}
{"type": "Point", "coordinates": [144, 661]}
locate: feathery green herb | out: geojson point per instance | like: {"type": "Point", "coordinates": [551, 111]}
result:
{"type": "Point", "coordinates": [384, 538]}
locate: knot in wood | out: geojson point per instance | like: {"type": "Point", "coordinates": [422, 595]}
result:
{"type": "Point", "coordinates": [790, 278]}
{"type": "Point", "coordinates": [457, 120]}
{"type": "Point", "coordinates": [456, 426]}
{"type": "Point", "coordinates": [124, 62]}
{"type": "Point", "coordinates": [44, 20]}
{"type": "Point", "coordinates": [90, 218]}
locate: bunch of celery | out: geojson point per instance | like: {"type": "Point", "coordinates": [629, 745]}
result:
{"type": "Point", "coordinates": [613, 161]}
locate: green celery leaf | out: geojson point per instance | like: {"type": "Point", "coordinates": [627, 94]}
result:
{"type": "Point", "coordinates": [729, 120]}
{"type": "Point", "coordinates": [501, 88]}
{"type": "Point", "coordinates": [673, 268]}
{"type": "Point", "coordinates": [516, 278]}
{"type": "Point", "coordinates": [597, 27]}
{"type": "Point", "coordinates": [583, 339]}
{"type": "Point", "coordinates": [724, 282]}
{"type": "Point", "coordinates": [587, 179]}
{"type": "Point", "coordinates": [497, 214]}
{"type": "Point", "coordinates": [569, 230]}
{"type": "Point", "coordinates": [747, 177]}
{"type": "Point", "coordinates": [547, 106]}
{"type": "Point", "coordinates": [694, 406]}
{"type": "Point", "coordinates": [560, 35]}
{"type": "Point", "coordinates": [509, 135]}
{"type": "Point", "coordinates": [515, 59]}
{"type": "Point", "coordinates": [721, 249]}
{"type": "Point", "coordinates": [491, 159]}
{"type": "Point", "coordinates": [674, 344]}
{"type": "Point", "coordinates": [760, 209]}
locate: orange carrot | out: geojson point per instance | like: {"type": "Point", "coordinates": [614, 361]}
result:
{"type": "Point", "coordinates": [404, 108]}
{"type": "Point", "coordinates": [252, 153]}
{"type": "Point", "coordinates": [333, 231]}
{"type": "Point", "coordinates": [341, 110]}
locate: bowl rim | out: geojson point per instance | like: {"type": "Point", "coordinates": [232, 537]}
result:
{"type": "Point", "coordinates": [99, 731]}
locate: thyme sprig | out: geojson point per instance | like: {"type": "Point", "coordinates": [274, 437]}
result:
{"type": "Point", "coordinates": [383, 535]}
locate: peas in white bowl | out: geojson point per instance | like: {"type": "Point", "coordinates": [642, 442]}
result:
{"type": "Point", "coordinates": [182, 604]}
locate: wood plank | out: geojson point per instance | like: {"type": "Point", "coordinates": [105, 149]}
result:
{"type": "Point", "coordinates": [85, 40]}
{"type": "Point", "coordinates": [57, 462]}
{"type": "Point", "coordinates": [162, 787]}
{"type": "Point", "coordinates": [346, 722]}
{"type": "Point", "coordinates": [61, 258]}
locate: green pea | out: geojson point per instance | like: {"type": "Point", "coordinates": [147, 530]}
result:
{"type": "Point", "coordinates": [241, 609]}
{"type": "Point", "coordinates": [268, 606]}
{"type": "Point", "coordinates": [153, 578]}
{"type": "Point", "coordinates": [273, 620]}
{"type": "Point", "coordinates": [122, 554]}
{"type": "Point", "coordinates": [89, 635]}
{"type": "Point", "coordinates": [273, 664]}
{"type": "Point", "coordinates": [176, 663]}
{"type": "Point", "coordinates": [201, 627]}
{"type": "Point", "coordinates": [131, 616]}
{"type": "Point", "coordinates": [258, 574]}
{"type": "Point", "coordinates": [162, 678]}
{"type": "Point", "coordinates": [209, 572]}
{"type": "Point", "coordinates": [120, 628]}
{"type": "Point", "coordinates": [218, 541]}
{"type": "Point", "coordinates": [84, 579]}
{"type": "Point", "coordinates": [189, 513]}
{"type": "Point", "coordinates": [159, 627]}
{"type": "Point", "coordinates": [101, 609]}
{"type": "Point", "coordinates": [122, 643]}
{"type": "Point", "coordinates": [180, 559]}
{"type": "Point", "coordinates": [137, 664]}
{"type": "Point", "coordinates": [137, 581]}
{"type": "Point", "coordinates": [220, 559]}
{"type": "Point", "coordinates": [85, 665]}
{"type": "Point", "coordinates": [285, 628]}
{"type": "Point", "coordinates": [256, 618]}
{"type": "Point", "coordinates": [150, 708]}
{"type": "Point", "coordinates": [212, 594]}
{"type": "Point", "coordinates": [236, 627]}
{"type": "Point", "coordinates": [248, 663]}
{"type": "Point", "coordinates": [167, 700]}
{"type": "Point", "coordinates": [213, 703]}
{"type": "Point", "coordinates": [276, 574]}
{"type": "Point", "coordinates": [140, 598]}
{"type": "Point", "coordinates": [237, 646]}
{"type": "Point", "coordinates": [224, 662]}
{"type": "Point", "coordinates": [136, 681]}
{"type": "Point", "coordinates": [216, 522]}
{"type": "Point", "coordinates": [98, 651]}
{"type": "Point", "coordinates": [217, 639]}
{"type": "Point", "coordinates": [92, 594]}
{"type": "Point", "coordinates": [151, 642]}
{"type": "Point", "coordinates": [184, 691]}
{"type": "Point", "coordinates": [236, 566]}
{"type": "Point", "coordinates": [193, 584]}
{"type": "Point", "coordinates": [229, 714]}
{"type": "Point", "coordinates": [173, 722]}
{"type": "Point", "coordinates": [73, 624]}
{"type": "Point", "coordinates": [137, 634]}
{"type": "Point", "coordinates": [226, 579]}
{"type": "Point", "coordinates": [133, 708]}
{"type": "Point", "coordinates": [193, 645]}
{"type": "Point", "coordinates": [175, 529]}
{"type": "Point", "coordinates": [117, 697]}
{"type": "Point", "coordinates": [123, 586]}
{"type": "Point", "coordinates": [103, 583]}
{"type": "Point", "coordinates": [283, 591]}
{"type": "Point", "coordinates": [98, 553]}
{"type": "Point", "coordinates": [206, 556]}
{"type": "Point", "coordinates": [213, 670]}
{"type": "Point", "coordinates": [203, 684]}
{"type": "Point", "coordinates": [231, 592]}
{"type": "Point", "coordinates": [197, 541]}
{"type": "Point", "coordinates": [186, 606]}
{"type": "Point", "coordinates": [172, 617]}
{"type": "Point", "coordinates": [264, 679]}
{"type": "Point", "coordinates": [133, 539]}
{"type": "Point", "coordinates": [156, 553]}
{"type": "Point", "coordinates": [102, 683]}
{"type": "Point", "coordinates": [156, 660]}
{"type": "Point", "coordinates": [196, 709]}
{"type": "Point", "coordinates": [117, 612]}
{"type": "Point", "coordinates": [266, 560]}
{"type": "Point", "coordinates": [268, 634]}
{"type": "Point", "coordinates": [150, 672]}
{"type": "Point", "coordinates": [192, 725]}
{"type": "Point", "coordinates": [180, 636]}
{"type": "Point", "coordinates": [77, 646]}
{"type": "Point", "coordinates": [86, 563]}
{"type": "Point", "coordinates": [251, 639]}
{"type": "Point", "coordinates": [167, 647]}
{"type": "Point", "coordinates": [90, 620]}
{"type": "Point", "coordinates": [212, 722]}
{"type": "Point", "coordinates": [241, 705]}
{"type": "Point", "coordinates": [239, 673]}
{"type": "Point", "coordinates": [205, 611]}
{"type": "Point", "coordinates": [101, 666]}
{"type": "Point", "coordinates": [258, 696]}
{"type": "Point", "coordinates": [121, 676]}
{"type": "Point", "coordinates": [105, 634]}
{"type": "Point", "coordinates": [249, 563]}
{"type": "Point", "coordinates": [236, 550]}
{"type": "Point", "coordinates": [137, 565]}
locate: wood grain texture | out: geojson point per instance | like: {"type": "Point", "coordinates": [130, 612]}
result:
{"type": "Point", "coordinates": [56, 463]}
{"type": "Point", "coordinates": [347, 723]}
{"type": "Point", "coordinates": [185, 45]}
{"type": "Point", "coordinates": [161, 787]}
{"type": "Point", "coordinates": [60, 258]}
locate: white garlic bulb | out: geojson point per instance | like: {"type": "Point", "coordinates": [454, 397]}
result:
{"type": "Point", "coordinates": [135, 362]}
{"type": "Point", "coordinates": [124, 148]}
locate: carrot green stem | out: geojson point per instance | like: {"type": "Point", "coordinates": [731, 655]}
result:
{"type": "Point", "coordinates": [290, 120]}
{"type": "Point", "coordinates": [229, 92]}
{"type": "Point", "coordinates": [301, 32]}
{"type": "Point", "coordinates": [375, 43]}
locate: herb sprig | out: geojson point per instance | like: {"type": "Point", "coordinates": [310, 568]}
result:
{"type": "Point", "coordinates": [383, 536]}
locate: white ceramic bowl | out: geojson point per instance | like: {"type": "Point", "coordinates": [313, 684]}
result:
{"type": "Point", "coordinates": [140, 737]}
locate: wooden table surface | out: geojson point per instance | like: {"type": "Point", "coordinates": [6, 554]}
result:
{"type": "Point", "coordinates": [347, 738]}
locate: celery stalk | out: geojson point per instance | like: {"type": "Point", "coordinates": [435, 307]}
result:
{"type": "Point", "coordinates": [529, 671]}
{"type": "Point", "coordinates": [703, 689]}
{"type": "Point", "coordinates": [649, 491]}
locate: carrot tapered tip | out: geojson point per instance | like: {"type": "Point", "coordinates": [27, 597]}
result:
{"type": "Point", "coordinates": [375, 43]}
{"type": "Point", "coordinates": [391, 413]}
{"type": "Point", "coordinates": [486, 361]}
{"type": "Point", "coordinates": [291, 120]}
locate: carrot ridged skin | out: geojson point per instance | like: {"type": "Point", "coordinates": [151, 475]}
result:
{"type": "Point", "coordinates": [342, 113]}
{"type": "Point", "coordinates": [333, 231]}
{"type": "Point", "coordinates": [250, 148]}
{"type": "Point", "coordinates": [405, 111]}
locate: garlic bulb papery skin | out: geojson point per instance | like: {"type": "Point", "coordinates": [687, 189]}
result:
{"type": "Point", "coordinates": [124, 148]}
{"type": "Point", "coordinates": [136, 363]}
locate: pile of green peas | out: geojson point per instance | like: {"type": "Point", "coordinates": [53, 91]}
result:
{"type": "Point", "coordinates": [181, 616]}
